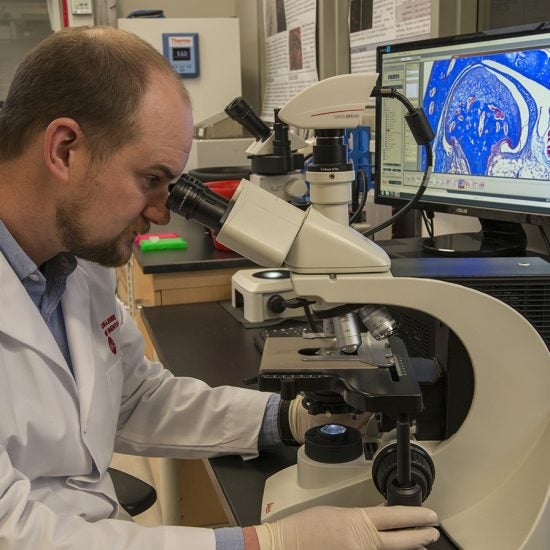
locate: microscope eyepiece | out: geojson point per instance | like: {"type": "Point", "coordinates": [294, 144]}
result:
{"type": "Point", "coordinates": [240, 111]}
{"type": "Point", "coordinates": [190, 198]}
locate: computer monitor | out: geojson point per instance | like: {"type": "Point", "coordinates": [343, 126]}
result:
{"type": "Point", "coordinates": [487, 97]}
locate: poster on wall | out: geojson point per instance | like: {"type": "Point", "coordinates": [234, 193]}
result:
{"type": "Point", "coordinates": [290, 51]}
{"type": "Point", "coordinates": [376, 22]}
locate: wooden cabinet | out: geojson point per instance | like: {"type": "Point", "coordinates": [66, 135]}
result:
{"type": "Point", "coordinates": [200, 504]}
{"type": "Point", "coordinates": [136, 288]}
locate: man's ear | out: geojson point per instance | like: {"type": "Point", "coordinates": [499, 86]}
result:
{"type": "Point", "coordinates": [62, 138]}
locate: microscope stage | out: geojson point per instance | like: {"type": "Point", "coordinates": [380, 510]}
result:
{"type": "Point", "coordinates": [293, 364]}
{"type": "Point", "coordinates": [295, 353]}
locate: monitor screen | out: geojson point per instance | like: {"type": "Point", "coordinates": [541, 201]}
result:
{"type": "Point", "coordinates": [487, 97]}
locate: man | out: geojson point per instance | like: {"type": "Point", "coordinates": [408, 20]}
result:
{"type": "Point", "coordinates": [94, 128]}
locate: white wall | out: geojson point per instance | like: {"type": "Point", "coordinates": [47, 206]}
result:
{"type": "Point", "coordinates": [219, 81]}
{"type": "Point", "coordinates": [247, 12]}
{"type": "Point", "coordinates": [22, 25]}
{"type": "Point", "coordinates": [183, 8]}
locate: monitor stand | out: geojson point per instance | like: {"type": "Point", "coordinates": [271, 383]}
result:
{"type": "Point", "coordinates": [496, 238]}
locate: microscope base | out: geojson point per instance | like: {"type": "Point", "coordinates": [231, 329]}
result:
{"type": "Point", "coordinates": [310, 483]}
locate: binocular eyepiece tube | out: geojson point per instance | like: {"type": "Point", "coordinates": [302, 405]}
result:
{"type": "Point", "coordinates": [240, 111]}
{"type": "Point", "coordinates": [190, 198]}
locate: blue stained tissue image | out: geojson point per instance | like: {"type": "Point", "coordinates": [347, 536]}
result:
{"type": "Point", "coordinates": [491, 114]}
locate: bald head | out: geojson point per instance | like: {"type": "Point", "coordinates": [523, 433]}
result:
{"type": "Point", "coordinates": [96, 76]}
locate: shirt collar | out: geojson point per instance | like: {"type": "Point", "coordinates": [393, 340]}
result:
{"type": "Point", "coordinates": [23, 266]}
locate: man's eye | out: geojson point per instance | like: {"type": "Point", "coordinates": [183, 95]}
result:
{"type": "Point", "coordinates": [152, 181]}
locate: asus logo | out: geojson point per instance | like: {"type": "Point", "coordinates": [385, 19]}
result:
{"type": "Point", "coordinates": [394, 76]}
{"type": "Point", "coordinates": [461, 210]}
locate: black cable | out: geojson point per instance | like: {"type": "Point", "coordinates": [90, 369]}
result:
{"type": "Point", "coordinates": [413, 201]}
{"type": "Point", "coordinates": [295, 303]}
{"type": "Point", "coordinates": [360, 174]}
{"type": "Point", "coordinates": [423, 134]}
{"type": "Point", "coordinates": [310, 320]}
{"type": "Point", "coordinates": [355, 192]}
{"type": "Point", "coordinates": [428, 218]}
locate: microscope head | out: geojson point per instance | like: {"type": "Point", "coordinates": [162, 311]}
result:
{"type": "Point", "coordinates": [272, 232]}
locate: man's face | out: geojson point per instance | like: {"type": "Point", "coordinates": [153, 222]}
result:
{"type": "Point", "coordinates": [110, 203]}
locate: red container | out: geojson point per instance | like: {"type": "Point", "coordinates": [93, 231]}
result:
{"type": "Point", "coordinates": [226, 189]}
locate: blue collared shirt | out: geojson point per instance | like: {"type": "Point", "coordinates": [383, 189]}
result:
{"type": "Point", "coordinates": [45, 285]}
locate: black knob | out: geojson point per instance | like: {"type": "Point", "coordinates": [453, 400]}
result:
{"type": "Point", "coordinates": [276, 303]}
{"type": "Point", "coordinates": [384, 475]}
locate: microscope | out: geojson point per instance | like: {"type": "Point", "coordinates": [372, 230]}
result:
{"type": "Point", "coordinates": [274, 157]}
{"type": "Point", "coordinates": [277, 166]}
{"type": "Point", "coordinates": [489, 482]}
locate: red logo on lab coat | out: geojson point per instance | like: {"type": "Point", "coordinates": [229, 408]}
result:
{"type": "Point", "coordinates": [112, 344]}
{"type": "Point", "coordinates": [108, 326]}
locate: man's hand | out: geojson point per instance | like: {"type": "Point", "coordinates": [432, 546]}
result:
{"type": "Point", "coordinates": [329, 528]}
{"type": "Point", "coordinates": [300, 421]}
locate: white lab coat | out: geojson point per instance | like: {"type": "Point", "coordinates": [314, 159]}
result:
{"type": "Point", "coordinates": [58, 431]}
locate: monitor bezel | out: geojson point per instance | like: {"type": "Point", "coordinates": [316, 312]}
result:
{"type": "Point", "coordinates": [497, 213]}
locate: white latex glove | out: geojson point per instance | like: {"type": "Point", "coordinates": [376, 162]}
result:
{"type": "Point", "coordinates": [301, 421]}
{"type": "Point", "coordinates": [330, 528]}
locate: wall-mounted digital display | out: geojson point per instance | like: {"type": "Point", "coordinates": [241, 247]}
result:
{"type": "Point", "coordinates": [182, 50]}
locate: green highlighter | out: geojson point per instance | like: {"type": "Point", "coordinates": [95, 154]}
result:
{"type": "Point", "coordinates": [154, 243]}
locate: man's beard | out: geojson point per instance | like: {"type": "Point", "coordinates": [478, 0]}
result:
{"type": "Point", "coordinates": [110, 253]}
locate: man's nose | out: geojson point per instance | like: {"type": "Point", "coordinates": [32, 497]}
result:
{"type": "Point", "coordinates": [156, 211]}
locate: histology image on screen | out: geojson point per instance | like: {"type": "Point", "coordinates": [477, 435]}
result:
{"type": "Point", "coordinates": [491, 114]}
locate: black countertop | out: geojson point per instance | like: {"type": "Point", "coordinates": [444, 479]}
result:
{"type": "Point", "coordinates": [202, 341]}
